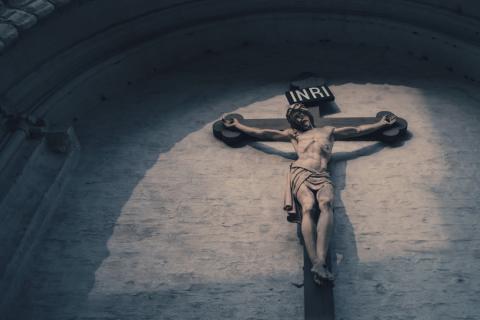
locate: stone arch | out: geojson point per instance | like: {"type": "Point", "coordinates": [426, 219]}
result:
{"type": "Point", "coordinates": [93, 48]}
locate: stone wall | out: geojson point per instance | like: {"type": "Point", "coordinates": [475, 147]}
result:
{"type": "Point", "coordinates": [163, 221]}
{"type": "Point", "coordinates": [113, 69]}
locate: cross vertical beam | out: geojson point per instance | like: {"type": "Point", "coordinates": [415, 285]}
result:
{"type": "Point", "coordinates": [318, 300]}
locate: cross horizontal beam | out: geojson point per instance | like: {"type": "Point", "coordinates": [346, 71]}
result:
{"type": "Point", "coordinates": [389, 134]}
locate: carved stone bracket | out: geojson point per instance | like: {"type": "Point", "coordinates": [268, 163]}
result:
{"type": "Point", "coordinates": [33, 127]}
{"type": "Point", "coordinates": [57, 138]}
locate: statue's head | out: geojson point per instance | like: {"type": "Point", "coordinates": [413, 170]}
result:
{"type": "Point", "coordinates": [299, 117]}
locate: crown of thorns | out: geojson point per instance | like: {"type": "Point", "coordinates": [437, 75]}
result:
{"type": "Point", "coordinates": [296, 109]}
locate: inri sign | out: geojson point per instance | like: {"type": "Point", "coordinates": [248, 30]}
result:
{"type": "Point", "coordinates": [310, 95]}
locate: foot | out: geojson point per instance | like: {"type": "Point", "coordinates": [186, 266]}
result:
{"type": "Point", "coordinates": [321, 274]}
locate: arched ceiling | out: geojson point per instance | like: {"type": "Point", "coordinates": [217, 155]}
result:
{"type": "Point", "coordinates": [41, 56]}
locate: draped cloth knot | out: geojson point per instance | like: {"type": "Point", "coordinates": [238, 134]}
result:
{"type": "Point", "coordinates": [296, 177]}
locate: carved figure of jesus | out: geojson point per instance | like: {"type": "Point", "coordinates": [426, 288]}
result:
{"type": "Point", "coordinates": [309, 188]}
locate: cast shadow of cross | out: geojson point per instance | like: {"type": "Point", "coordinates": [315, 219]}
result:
{"type": "Point", "coordinates": [318, 300]}
{"type": "Point", "coordinates": [337, 168]}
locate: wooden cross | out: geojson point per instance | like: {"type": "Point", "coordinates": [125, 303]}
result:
{"type": "Point", "coordinates": [318, 300]}
{"type": "Point", "coordinates": [236, 138]}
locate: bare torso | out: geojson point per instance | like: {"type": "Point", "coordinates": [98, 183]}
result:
{"type": "Point", "coordinates": [314, 148]}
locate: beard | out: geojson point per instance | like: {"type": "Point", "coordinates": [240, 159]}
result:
{"type": "Point", "coordinates": [302, 127]}
{"type": "Point", "coordinates": [306, 128]}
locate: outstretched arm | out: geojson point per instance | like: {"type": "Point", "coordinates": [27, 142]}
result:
{"type": "Point", "coordinates": [350, 132]}
{"type": "Point", "coordinates": [261, 134]}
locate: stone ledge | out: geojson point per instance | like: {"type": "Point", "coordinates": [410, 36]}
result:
{"type": "Point", "coordinates": [29, 222]}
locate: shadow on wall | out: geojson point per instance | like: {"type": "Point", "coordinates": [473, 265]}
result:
{"type": "Point", "coordinates": [401, 251]}
{"type": "Point", "coordinates": [119, 148]}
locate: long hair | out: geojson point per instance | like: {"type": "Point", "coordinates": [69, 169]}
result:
{"type": "Point", "coordinates": [295, 110]}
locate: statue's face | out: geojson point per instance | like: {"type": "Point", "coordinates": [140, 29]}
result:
{"type": "Point", "coordinates": [304, 121]}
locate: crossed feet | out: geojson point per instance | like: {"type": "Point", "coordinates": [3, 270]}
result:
{"type": "Point", "coordinates": [321, 274]}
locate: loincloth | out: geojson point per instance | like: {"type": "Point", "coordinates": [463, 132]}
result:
{"type": "Point", "coordinates": [298, 176]}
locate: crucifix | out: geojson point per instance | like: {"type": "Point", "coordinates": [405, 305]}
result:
{"type": "Point", "coordinates": [309, 191]}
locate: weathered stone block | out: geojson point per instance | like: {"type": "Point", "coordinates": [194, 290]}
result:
{"type": "Point", "coordinates": [59, 3]}
{"type": "Point", "coordinates": [20, 19]}
{"type": "Point", "coordinates": [8, 33]}
{"type": "Point", "coordinates": [39, 8]}
{"type": "Point", "coordinates": [18, 3]}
